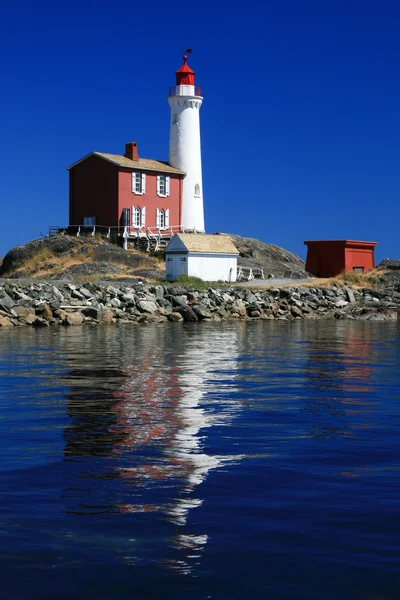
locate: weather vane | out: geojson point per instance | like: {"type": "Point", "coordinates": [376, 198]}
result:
{"type": "Point", "coordinates": [188, 50]}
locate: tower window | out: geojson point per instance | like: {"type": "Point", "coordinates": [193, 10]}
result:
{"type": "Point", "coordinates": [197, 190]}
{"type": "Point", "coordinates": [174, 118]}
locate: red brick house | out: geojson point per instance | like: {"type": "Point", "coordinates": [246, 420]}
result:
{"type": "Point", "coordinates": [327, 258]}
{"type": "Point", "coordinates": [119, 191]}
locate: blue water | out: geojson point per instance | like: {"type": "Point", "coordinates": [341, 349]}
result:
{"type": "Point", "coordinates": [218, 461]}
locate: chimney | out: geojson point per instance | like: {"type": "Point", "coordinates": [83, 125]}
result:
{"type": "Point", "coordinates": [131, 151]}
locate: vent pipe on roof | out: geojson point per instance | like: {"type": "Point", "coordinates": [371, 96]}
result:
{"type": "Point", "coordinates": [131, 151]}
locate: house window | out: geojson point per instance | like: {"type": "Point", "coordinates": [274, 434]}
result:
{"type": "Point", "coordinates": [89, 221]}
{"type": "Point", "coordinates": [138, 183]}
{"type": "Point", "coordinates": [162, 218]}
{"type": "Point", "coordinates": [197, 190]}
{"type": "Point", "coordinates": [138, 216]}
{"type": "Point", "coordinates": [358, 269]}
{"type": "Point", "coordinates": [163, 185]}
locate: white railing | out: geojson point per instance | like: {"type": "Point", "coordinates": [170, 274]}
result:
{"type": "Point", "coordinates": [249, 273]}
{"type": "Point", "coordinates": [155, 236]}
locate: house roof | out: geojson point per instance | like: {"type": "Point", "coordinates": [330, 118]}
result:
{"type": "Point", "coordinates": [147, 164]}
{"type": "Point", "coordinates": [202, 243]}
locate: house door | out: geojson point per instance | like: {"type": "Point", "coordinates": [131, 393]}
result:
{"type": "Point", "coordinates": [126, 217]}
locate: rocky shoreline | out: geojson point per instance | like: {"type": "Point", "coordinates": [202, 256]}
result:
{"type": "Point", "coordinates": [44, 304]}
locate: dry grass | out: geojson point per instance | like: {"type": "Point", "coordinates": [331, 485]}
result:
{"type": "Point", "coordinates": [87, 278]}
{"type": "Point", "coordinates": [352, 280]}
{"type": "Point", "coordinates": [46, 264]}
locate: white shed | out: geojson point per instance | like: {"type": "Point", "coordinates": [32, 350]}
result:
{"type": "Point", "coordinates": [210, 257]}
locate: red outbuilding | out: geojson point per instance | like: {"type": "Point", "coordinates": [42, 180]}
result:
{"type": "Point", "coordinates": [327, 258]}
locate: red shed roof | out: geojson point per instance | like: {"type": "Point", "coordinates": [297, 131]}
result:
{"type": "Point", "coordinates": [342, 242]}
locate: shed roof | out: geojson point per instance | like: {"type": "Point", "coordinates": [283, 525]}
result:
{"type": "Point", "coordinates": [147, 164]}
{"type": "Point", "coordinates": [357, 243]}
{"type": "Point", "coordinates": [202, 243]}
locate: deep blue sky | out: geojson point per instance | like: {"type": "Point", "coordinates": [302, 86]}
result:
{"type": "Point", "coordinates": [300, 119]}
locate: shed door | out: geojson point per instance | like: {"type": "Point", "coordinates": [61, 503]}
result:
{"type": "Point", "coordinates": [182, 266]}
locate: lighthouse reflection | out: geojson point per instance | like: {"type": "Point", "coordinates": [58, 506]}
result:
{"type": "Point", "coordinates": [167, 417]}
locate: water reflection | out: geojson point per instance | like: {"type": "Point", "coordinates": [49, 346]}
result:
{"type": "Point", "coordinates": [118, 458]}
{"type": "Point", "coordinates": [150, 418]}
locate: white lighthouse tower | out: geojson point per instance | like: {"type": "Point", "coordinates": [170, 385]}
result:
{"type": "Point", "coordinates": [184, 145]}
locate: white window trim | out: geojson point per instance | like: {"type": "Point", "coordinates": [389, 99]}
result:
{"type": "Point", "coordinates": [137, 211]}
{"type": "Point", "coordinates": [167, 186]}
{"type": "Point", "coordinates": [162, 212]}
{"type": "Point", "coordinates": [135, 174]}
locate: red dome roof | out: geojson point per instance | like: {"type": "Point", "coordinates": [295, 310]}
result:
{"type": "Point", "coordinates": [185, 75]}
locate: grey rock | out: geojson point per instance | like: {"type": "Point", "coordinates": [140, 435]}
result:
{"type": "Point", "coordinates": [6, 301]}
{"type": "Point", "coordinates": [187, 313]}
{"type": "Point", "coordinates": [250, 298]}
{"type": "Point", "coordinates": [39, 322]}
{"type": "Point", "coordinates": [202, 311]}
{"type": "Point", "coordinates": [341, 303]}
{"type": "Point", "coordinates": [93, 313]}
{"type": "Point", "coordinates": [77, 294]}
{"type": "Point", "coordinates": [147, 306]}
{"type": "Point", "coordinates": [296, 311]}
{"type": "Point", "coordinates": [86, 293]}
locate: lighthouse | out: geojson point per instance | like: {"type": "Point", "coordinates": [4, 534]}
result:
{"type": "Point", "coordinates": [184, 145]}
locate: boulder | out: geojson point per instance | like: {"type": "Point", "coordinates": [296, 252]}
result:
{"type": "Point", "coordinates": [202, 311]}
{"type": "Point", "coordinates": [187, 313]}
{"type": "Point", "coordinates": [147, 306]}
{"type": "Point", "coordinates": [296, 311]}
{"type": "Point", "coordinates": [25, 314]}
{"type": "Point", "coordinates": [4, 322]}
{"type": "Point", "coordinates": [341, 303]}
{"type": "Point", "coordinates": [73, 318]}
{"type": "Point", "coordinates": [93, 312]}
{"type": "Point", "coordinates": [6, 301]}
{"type": "Point", "coordinates": [107, 316]}
{"type": "Point", "coordinates": [175, 317]}
{"type": "Point", "coordinates": [44, 311]}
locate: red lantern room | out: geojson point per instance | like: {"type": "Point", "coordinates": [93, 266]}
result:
{"type": "Point", "coordinates": [327, 258]}
{"type": "Point", "coordinates": [185, 75]}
